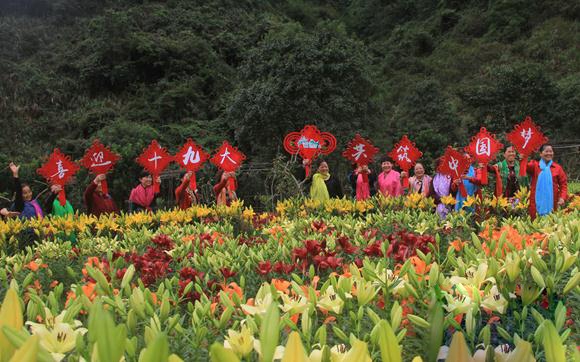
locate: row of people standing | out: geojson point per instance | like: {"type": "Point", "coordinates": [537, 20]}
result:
{"type": "Point", "coordinates": [26, 205]}
{"type": "Point", "coordinates": [548, 181]}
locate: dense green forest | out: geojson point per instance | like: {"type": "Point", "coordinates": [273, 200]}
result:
{"type": "Point", "coordinates": [128, 71]}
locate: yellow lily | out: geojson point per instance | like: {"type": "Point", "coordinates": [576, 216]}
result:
{"type": "Point", "coordinates": [10, 316]}
{"type": "Point", "coordinates": [57, 337]}
{"type": "Point", "coordinates": [330, 301]}
{"type": "Point", "coordinates": [241, 343]}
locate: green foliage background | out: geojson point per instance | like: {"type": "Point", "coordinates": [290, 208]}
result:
{"type": "Point", "coordinates": [128, 71]}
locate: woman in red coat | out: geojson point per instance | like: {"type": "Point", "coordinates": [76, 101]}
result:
{"type": "Point", "coordinates": [549, 184]}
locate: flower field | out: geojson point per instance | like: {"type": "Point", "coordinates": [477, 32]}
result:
{"type": "Point", "coordinates": [378, 280]}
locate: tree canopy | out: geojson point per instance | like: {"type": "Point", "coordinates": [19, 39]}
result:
{"type": "Point", "coordinates": [249, 71]}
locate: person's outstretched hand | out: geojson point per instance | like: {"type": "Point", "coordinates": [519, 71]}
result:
{"type": "Point", "coordinates": [14, 168]}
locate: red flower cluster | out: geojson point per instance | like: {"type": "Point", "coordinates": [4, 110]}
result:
{"type": "Point", "coordinates": [154, 263]}
{"type": "Point", "coordinates": [186, 276]}
{"type": "Point", "coordinates": [265, 267]}
{"type": "Point", "coordinates": [403, 244]}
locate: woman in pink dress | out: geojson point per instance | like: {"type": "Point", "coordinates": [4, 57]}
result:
{"type": "Point", "coordinates": [389, 181]}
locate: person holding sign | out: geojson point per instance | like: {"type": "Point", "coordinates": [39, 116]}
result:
{"type": "Point", "coordinates": [143, 195]}
{"type": "Point", "coordinates": [323, 186]}
{"type": "Point", "coordinates": [96, 200]}
{"type": "Point", "coordinates": [419, 183]}
{"type": "Point", "coordinates": [509, 174]}
{"type": "Point", "coordinates": [389, 181]}
{"type": "Point", "coordinates": [363, 189]}
{"type": "Point", "coordinates": [549, 183]}
{"type": "Point", "coordinates": [441, 186]}
{"type": "Point", "coordinates": [23, 202]}
{"type": "Point", "coordinates": [225, 188]}
{"type": "Point", "coordinates": [472, 183]}
{"type": "Point", "coordinates": [184, 195]}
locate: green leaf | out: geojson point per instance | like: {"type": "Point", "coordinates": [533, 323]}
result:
{"type": "Point", "coordinates": [157, 351]}
{"type": "Point", "coordinates": [28, 351]}
{"type": "Point", "coordinates": [388, 344]}
{"type": "Point", "coordinates": [270, 332]}
{"type": "Point", "coordinates": [553, 346]}
{"type": "Point", "coordinates": [218, 353]}
{"type": "Point", "coordinates": [435, 331]}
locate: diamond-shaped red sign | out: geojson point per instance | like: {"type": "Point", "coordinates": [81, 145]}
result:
{"type": "Point", "coordinates": [99, 159]}
{"type": "Point", "coordinates": [360, 151]}
{"type": "Point", "coordinates": [484, 147]}
{"type": "Point", "coordinates": [191, 157]}
{"type": "Point", "coordinates": [405, 154]}
{"type": "Point", "coordinates": [455, 164]}
{"type": "Point", "coordinates": [154, 159]}
{"type": "Point", "coordinates": [58, 170]}
{"type": "Point", "coordinates": [228, 158]}
{"type": "Point", "coordinates": [526, 138]}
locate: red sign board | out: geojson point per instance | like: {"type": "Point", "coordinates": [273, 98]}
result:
{"type": "Point", "coordinates": [58, 170]}
{"type": "Point", "coordinates": [154, 159]}
{"type": "Point", "coordinates": [191, 157]}
{"type": "Point", "coordinates": [228, 158]}
{"type": "Point", "coordinates": [455, 164]}
{"type": "Point", "coordinates": [405, 154]}
{"type": "Point", "coordinates": [360, 151]}
{"type": "Point", "coordinates": [309, 143]}
{"type": "Point", "coordinates": [483, 148]}
{"type": "Point", "coordinates": [526, 138]}
{"type": "Point", "coordinates": [99, 159]}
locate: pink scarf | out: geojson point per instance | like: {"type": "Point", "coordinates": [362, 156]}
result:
{"type": "Point", "coordinates": [420, 186]}
{"type": "Point", "coordinates": [363, 190]}
{"type": "Point", "coordinates": [390, 183]}
{"type": "Point", "coordinates": [142, 196]}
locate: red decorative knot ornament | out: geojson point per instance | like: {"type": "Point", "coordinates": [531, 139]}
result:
{"type": "Point", "coordinates": [455, 164]}
{"type": "Point", "coordinates": [309, 144]}
{"type": "Point", "coordinates": [527, 139]}
{"type": "Point", "coordinates": [190, 158]}
{"type": "Point", "coordinates": [154, 159]}
{"type": "Point", "coordinates": [228, 158]}
{"type": "Point", "coordinates": [405, 154]}
{"type": "Point", "coordinates": [99, 159]}
{"type": "Point", "coordinates": [361, 152]}
{"type": "Point", "coordinates": [58, 170]}
{"type": "Point", "coordinates": [484, 148]}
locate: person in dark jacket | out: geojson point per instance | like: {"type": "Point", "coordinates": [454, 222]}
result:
{"type": "Point", "coordinates": [362, 187]}
{"type": "Point", "coordinates": [322, 185]}
{"type": "Point", "coordinates": [96, 201]}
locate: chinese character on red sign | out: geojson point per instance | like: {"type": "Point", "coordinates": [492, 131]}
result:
{"type": "Point", "coordinates": [483, 148]}
{"type": "Point", "coordinates": [228, 158]}
{"type": "Point", "coordinates": [455, 164]}
{"type": "Point", "coordinates": [58, 170]}
{"type": "Point", "coordinates": [360, 151]}
{"type": "Point", "coordinates": [405, 154]}
{"type": "Point", "coordinates": [526, 138]}
{"type": "Point", "coordinates": [154, 159]}
{"type": "Point", "coordinates": [191, 157]}
{"type": "Point", "coordinates": [99, 159]}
